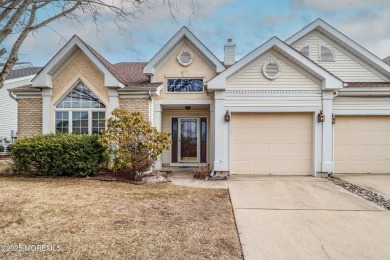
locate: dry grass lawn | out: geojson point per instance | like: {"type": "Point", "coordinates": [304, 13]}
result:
{"type": "Point", "coordinates": [101, 220]}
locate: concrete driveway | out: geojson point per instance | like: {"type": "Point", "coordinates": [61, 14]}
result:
{"type": "Point", "coordinates": [306, 218]}
{"type": "Point", "coordinates": [378, 183]}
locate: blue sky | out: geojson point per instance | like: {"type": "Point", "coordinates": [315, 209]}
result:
{"type": "Point", "coordinates": [249, 22]}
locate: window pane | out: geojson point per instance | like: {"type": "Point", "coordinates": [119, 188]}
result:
{"type": "Point", "coordinates": [97, 122]}
{"type": "Point", "coordinates": [61, 122]}
{"type": "Point", "coordinates": [81, 97]}
{"type": "Point", "coordinates": [326, 54]}
{"type": "Point", "coordinates": [185, 85]}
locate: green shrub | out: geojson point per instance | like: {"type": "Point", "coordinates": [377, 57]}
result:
{"type": "Point", "coordinates": [58, 155]}
{"type": "Point", "coordinates": [1, 148]}
{"type": "Point", "coordinates": [9, 148]}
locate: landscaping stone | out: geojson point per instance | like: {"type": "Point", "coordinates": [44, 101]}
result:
{"type": "Point", "coordinates": [362, 192]}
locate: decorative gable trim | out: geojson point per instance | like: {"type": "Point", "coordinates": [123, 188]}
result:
{"type": "Point", "coordinates": [343, 41]}
{"type": "Point", "coordinates": [45, 77]}
{"type": "Point", "coordinates": [183, 33]}
{"type": "Point", "coordinates": [328, 80]}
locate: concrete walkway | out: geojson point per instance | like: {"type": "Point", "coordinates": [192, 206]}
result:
{"type": "Point", "coordinates": [183, 177]}
{"type": "Point", "coordinates": [306, 218]}
{"type": "Point", "coordinates": [378, 183]}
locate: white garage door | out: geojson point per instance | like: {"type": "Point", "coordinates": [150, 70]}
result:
{"type": "Point", "coordinates": [271, 143]}
{"type": "Point", "coordinates": [362, 144]}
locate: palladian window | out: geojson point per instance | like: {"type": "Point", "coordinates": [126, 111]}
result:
{"type": "Point", "coordinates": [80, 112]}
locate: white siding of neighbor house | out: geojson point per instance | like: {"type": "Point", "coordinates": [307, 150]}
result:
{"type": "Point", "coordinates": [346, 66]}
{"type": "Point", "coordinates": [252, 77]}
{"type": "Point", "coordinates": [9, 107]}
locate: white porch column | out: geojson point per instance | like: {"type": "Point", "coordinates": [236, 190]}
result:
{"type": "Point", "coordinates": [46, 100]}
{"type": "Point", "coordinates": [221, 134]}
{"type": "Point", "coordinates": [158, 124]}
{"type": "Point", "coordinates": [327, 133]}
{"type": "Point", "coordinates": [113, 99]}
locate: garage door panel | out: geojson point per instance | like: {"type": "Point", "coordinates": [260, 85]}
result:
{"type": "Point", "coordinates": [301, 120]}
{"type": "Point", "coordinates": [280, 151]}
{"type": "Point", "coordinates": [279, 143]}
{"type": "Point", "coordinates": [343, 136]}
{"type": "Point", "coordinates": [377, 123]}
{"type": "Point", "coordinates": [260, 166]}
{"type": "Point", "coordinates": [359, 151]}
{"type": "Point", "coordinates": [379, 166]}
{"type": "Point", "coordinates": [300, 167]}
{"type": "Point", "coordinates": [299, 136]}
{"type": "Point", "coordinates": [359, 123]}
{"type": "Point", "coordinates": [280, 120]}
{"type": "Point", "coordinates": [259, 151]}
{"type": "Point", "coordinates": [379, 137]}
{"type": "Point", "coordinates": [359, 137]}
{"type": "Point", "coordinates": [261, 135]}
{"type": "Point", "coordinates": [260, 120]}
{"type": "Point", "coordinates": [279, 136]}
{"type": "Point", "coordinates": [242, 152]}
{"type": "Point", "coordinates": [280, 167]}
{"type": "Point", "coordinates": [379, 151]}
{"type": "Point", "coordinates": [240, 166]}
{"type": "Point", "coordinates": [243, 121]}
{"type": "Point", "coordinates": [367, 140]}
{"type": "Point", "coordinates": [300, 152]}
{"type": "Point", "coordinates": [241, 135]}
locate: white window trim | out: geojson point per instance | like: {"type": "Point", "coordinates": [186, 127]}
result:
{"type": "Point", "coordinates": [70, 115]}
{"type": "Point", "coordinates": [320, 54]}
{"type": "Point", "coordinates": [195, 92]}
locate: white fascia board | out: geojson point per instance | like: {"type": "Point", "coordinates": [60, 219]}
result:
{"type": "Point", "coordinates": [44, 79]}
{"type": "Point", "coordinates": [328, 30]}
{"type": "Point", "coordinates": [14, 80]}
{"type": "Point", "coordinates": [329, 81]}
{"type": "Point", "coordinates": [149, 69]}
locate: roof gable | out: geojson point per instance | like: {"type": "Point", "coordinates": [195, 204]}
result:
{"type": "Point", "coordinates": [343, 41]}
{"type": "Point", "coordinates": [112, 76]}
{"type": "Point", "coordinates": [329, 81]}
{"type": "Point", "coordinates": [183, 33]}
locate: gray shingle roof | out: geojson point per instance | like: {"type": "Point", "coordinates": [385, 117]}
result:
{"type": "Point", "coordinates": [387, 60]}
{"type": "Point", "coordinates": [18, 73]}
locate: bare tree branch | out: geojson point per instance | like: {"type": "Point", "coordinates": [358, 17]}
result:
{"type": "Point", "coordinates": [22, 17]}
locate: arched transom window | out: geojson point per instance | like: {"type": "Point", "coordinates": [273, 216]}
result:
{"type": "Point", "coordinates": [80, 112]}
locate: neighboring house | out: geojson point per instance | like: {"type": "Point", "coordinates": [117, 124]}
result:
{"type": "Point", "coordinates": [21, 74]}
{"type": "Point", "coordinates": [315, 103]}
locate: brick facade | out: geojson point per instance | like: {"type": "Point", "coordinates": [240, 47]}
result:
{"type": "Point", "coordinates": [136, 105]}
{"type": "Point", "coordinates": [29, 117]}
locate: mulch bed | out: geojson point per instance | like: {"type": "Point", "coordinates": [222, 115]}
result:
{"type": "Point", "coordinates": [108, 175]}
{"type": "Point", "coordinates": [362, 192]}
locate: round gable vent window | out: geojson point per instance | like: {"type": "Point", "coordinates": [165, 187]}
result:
{"type": "Point", "coordinates": [272, 70]}
{"type": "Point", "coordinates": [185, 57]}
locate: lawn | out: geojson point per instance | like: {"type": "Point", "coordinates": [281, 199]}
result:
{"type": "Point", "coordinates": [90, 219]}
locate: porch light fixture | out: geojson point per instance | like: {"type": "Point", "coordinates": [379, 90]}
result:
{"type": "Point", "coordinates": [333, 119]}
{"type": "Point", "coordinates": [321, 117]}
{"type": "Point", "coordinates": [187, 107]}
{"type": "Point", "coordinates": [227, 116]}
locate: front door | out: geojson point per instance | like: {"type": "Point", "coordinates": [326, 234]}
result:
{"type": "Point", "coordinates": [188, 140]}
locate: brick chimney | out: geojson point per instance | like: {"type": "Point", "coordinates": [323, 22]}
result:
{"type": "Point", "coordinates": [230, 49]}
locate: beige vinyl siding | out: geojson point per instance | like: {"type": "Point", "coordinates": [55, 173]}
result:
{"type": "Point", "coordinates": [171, 68]}
{"type": "Point", "coordinates": [271, 143]}
{"type": "Point", "coordinates": [362, 144]}
{"type": "Point", "coordinates": [166, 127]}
{"type": "Point", "coordinates": [251, 77]}
{"type": "Point", "coordinates": [347, 67]}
